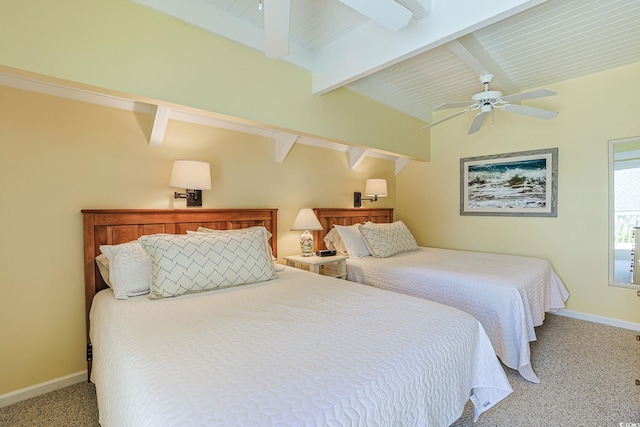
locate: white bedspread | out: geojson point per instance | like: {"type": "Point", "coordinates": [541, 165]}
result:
{"type": "Point", "coordinates": [508, 294]}
{"type": "Point", "coordinates": [300, 350]}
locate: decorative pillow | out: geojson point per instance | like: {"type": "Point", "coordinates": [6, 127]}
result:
{"type": "Point", "coordinates": [384, 240]}
{"type": "Point", "coordinates": [353, 241]}
{"type": "Point", "coordinates": [129, 269]}
{"type": "Point", "coordinates": [236, 230]}
{"type": "Point", "coordinates": [210, 230]}
{"type": "Point", "coordinates": [332, 240]}
{"type": "Point", "coordinates": [199, 262]}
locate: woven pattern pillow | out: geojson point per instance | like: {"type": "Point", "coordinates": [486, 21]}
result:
{"type": "Point", "coordinates": [238, 230]}
{"type": "Point", "coordinates": [183, 264]}
{"type": "Point", "coordinates": [385, 240]}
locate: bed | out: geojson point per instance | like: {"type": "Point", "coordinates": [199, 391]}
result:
{"type": "Point", "coordinates": [298, 349]}
{"type": "Point", "coordinates": [508, 294]}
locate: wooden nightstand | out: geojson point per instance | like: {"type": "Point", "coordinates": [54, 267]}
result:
{"type": "Point", "coordinates": [334, 266]}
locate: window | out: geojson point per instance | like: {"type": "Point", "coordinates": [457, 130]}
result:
{"type": "Point", "coordinates": [624, 211]}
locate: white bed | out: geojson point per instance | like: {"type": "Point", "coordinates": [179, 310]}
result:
{"type": "Point", "coordinates": [508, 294]}
{"type": "Point", "coordinates": [300, 349]}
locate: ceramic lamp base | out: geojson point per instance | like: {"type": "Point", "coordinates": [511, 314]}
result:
{"type": "Point", "coordinates": [306, 243]}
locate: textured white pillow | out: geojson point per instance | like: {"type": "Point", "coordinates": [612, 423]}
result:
{"type": "Point", "coordinates": [353, 241]}
{"type": "Point", "coordinates": [332, 240]}
{"type": "Point", "coordinates": [103, 266]}
{"type": "Point", "coordinates": [129, 269]}
{"type": "Point", "coordinates": [237, 230]}
{"type": "Point", "coordinates": [385, 240]}
{"type": "Point", "coordinates": [210, 230]}
{"type": "Point", "coordinates": [201, 262]}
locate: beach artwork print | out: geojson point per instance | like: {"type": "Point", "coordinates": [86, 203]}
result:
{"type": "Point", "coordinates": [513, 184]}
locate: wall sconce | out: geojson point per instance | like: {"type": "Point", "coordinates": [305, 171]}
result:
{"type": "Point", "coordinates": [307, 221]}
{"type": "Point", "coordinates": [192, 175]}
{"type": "Point", "coordinates": [374, 188]}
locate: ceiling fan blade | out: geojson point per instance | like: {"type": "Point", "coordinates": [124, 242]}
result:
{"type": "Point", "coordinates": [446, 118]}
{"type": "Point", "coordinates": [276, 28]}
{"type": "Point", "coordinates": [529, 111]}
{"type": "Point", "coordinates": [456, 104]}
{"type": "Point", "coordinates": [529, 95]}
{"type": "Point", "coordinates": [477, 122]}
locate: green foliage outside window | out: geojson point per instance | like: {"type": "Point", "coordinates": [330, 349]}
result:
{"type": "Point", "coordinates": [624, 226]}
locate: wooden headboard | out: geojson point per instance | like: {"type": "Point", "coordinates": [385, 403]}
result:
{"type": "Point", "coordinates": [347, 216]}
{"type": "Point", "coordinates": [115, 226]}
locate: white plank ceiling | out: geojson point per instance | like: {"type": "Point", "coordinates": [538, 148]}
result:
{"type": "Point", "coordinates": [438, 58]}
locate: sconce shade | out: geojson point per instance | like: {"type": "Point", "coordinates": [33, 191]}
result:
{"type": "Point", "coordinates": [376, 187]}
{"type": "Point", "coordinates": [191, 174]}
{"type": "Point", "coordinates": [306, 220]}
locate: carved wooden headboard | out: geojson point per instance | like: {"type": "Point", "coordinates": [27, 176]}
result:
{"type": "Point", "coordinates": [347, 216]}
{"type": "Point", "coordinates": [115, 226]}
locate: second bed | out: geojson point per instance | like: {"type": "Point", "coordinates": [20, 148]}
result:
{"type": "Point", "coordinates": [508, 294]}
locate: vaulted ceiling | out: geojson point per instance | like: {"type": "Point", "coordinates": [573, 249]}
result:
{"type": "Point", "coordinates": [443, 48]}
{"type": "Point", "coordinates": [435, 56]}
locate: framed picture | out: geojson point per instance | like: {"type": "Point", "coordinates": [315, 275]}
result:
{"type": "Point", "coordinates": [511, 184]}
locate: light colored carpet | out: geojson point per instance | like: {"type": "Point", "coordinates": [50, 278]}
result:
{"type": "Point", "coordinates": [587, 377]}
{"type": "Point", "coordinates": [73, 406]}
{"type": "Point", "coordinates": [587, 374]}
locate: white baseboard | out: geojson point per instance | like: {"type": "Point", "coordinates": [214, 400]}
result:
{"type": "Point", "coordinates": [42, 388]}
{"type": "Point", "coordinates": [599, 319]}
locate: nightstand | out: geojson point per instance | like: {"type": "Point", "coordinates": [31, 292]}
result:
{"type": "Point", "coordinates": [334, 266]}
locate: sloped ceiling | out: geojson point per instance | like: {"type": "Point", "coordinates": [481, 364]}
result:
{"type": "Point", "coordinates": [438, 56]}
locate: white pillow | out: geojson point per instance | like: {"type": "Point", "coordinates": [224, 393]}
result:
{"type": "Point", "coordinates": [332, 240]}
{"type": "Point", "coordinates": [236, 230]}
{"type": "Point", "coordinates": [129, 269]}
{"type": "Point", "coordinates": [385, 240]}
{"type": "Point", "coordinates": [201, 262]}
{"type": "Point", "coordinates": [353, 241]}
{"type": "Point", "coordinates": [103, 266]}
{"type": "Point", "coordinates": [211, 230]}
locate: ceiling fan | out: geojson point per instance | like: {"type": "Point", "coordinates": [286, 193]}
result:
{"type": "Point", "coordinates": [487, 100]}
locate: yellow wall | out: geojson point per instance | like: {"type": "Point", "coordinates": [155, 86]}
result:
{"type": "Point", "coordinates": [59, 156]}
{"type": "Point", "coordinates": [593, 110]}
{"type": "Point", "coordinates": [125, 47]}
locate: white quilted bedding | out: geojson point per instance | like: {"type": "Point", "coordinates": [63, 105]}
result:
{"type": "Point", "coordinates": [300, 350]}
{"type": "Point", "coordinates": [508, 294]}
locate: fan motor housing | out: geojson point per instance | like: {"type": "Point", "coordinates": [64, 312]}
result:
{"type": "Point", "coordinates": [488, 95]}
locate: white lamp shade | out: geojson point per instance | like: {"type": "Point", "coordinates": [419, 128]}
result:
{"type": "Point", "coordinates": [306, 220]}
{"type": "Point", "coordinates": [191, 174]}
{"type": "Point", "coordinates": [376, 187]}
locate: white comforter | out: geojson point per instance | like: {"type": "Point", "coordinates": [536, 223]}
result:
{"type": "Point", "coordinates": [508, 294]}
{"type": "Point", "coordinates": [300, 350]}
